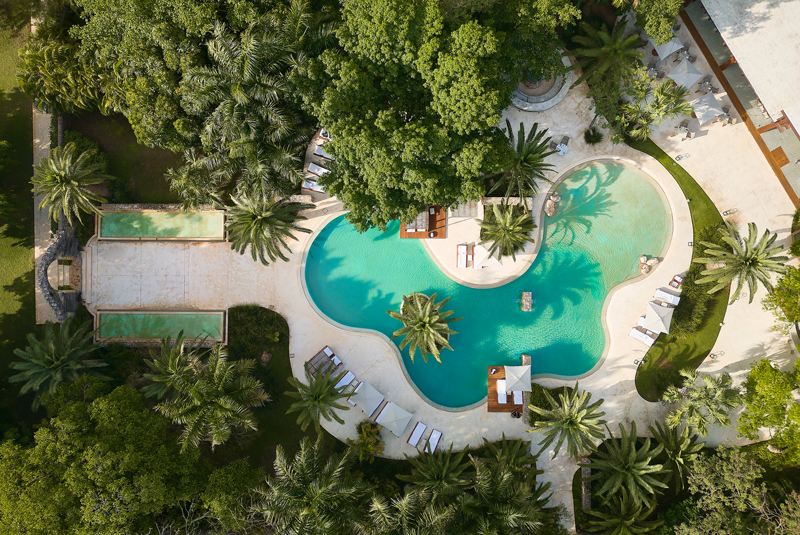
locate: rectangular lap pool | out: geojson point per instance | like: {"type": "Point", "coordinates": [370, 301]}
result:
{"type": "Point", "coordinates": [153, 325]}
{"type": "Point", "coordinates": [161, 225]}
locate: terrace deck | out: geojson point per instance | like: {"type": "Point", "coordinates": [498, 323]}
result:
{"type": "Point", "coordinates": [493, 405]}
{"type": "Point", "coordinates": [437, 222]}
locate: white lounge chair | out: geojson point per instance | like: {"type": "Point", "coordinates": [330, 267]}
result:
{"type": "Point", "coordinates": [328, 351]}
{"type": "Point", "coordinates": [433, 441]}
{"type": "Point", "coordinates": [324, 134]}
{"type": "Point", "coordinates": [319, 151]}
{"type": "Point", "coordinates": [668, 297]}
{"type": "Point", "coordinates": [642, 337]}
{"type": "Point", "coordinates": [313, 186]}
{"type": "Point", "coordinates": [462, 256]}
{"type": "Point", "coordinates": [346, 380]}
{"type": "Point", "coordinates": [318, 170]}
{"type": "Point", "coordinates": [517, 397]}
{"type": "Point", "coordinates": [502, 397]}
{"type": "Point", "coordinates": [416, 434]}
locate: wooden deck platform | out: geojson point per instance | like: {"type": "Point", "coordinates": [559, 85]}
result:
{"type": "Point", "coordinates": [493, 405]}
{"type": "Point", "coordinates": [437, 223]}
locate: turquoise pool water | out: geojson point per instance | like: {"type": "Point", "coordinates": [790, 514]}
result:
{"type": "Point", "coordinates": [610, 214]}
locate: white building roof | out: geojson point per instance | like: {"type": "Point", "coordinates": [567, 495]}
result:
{"type": "Point", "coordinates": [764, 37]}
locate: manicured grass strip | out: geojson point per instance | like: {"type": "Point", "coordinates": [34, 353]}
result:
{"type": "Point", "coordinates": [669, 354]}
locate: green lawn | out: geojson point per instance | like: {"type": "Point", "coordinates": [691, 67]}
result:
{"type": "Point", "coordinates": [669, 353]}
{"type": "Point", "coordinates": [17, 308]}
{"type": "Point", "coordinates": [142, 168]}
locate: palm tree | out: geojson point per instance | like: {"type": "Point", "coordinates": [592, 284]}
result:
{"type": "Point", "coordinates": [624, 517]}
{"type": "Point", "coordinates": [444, 474]}
{"type": "Point", "coordinates": [702, 405]}
{"type": "Point", "coordinates": [627, 465]}
{"type": "Point", "coordinates": [527, 167]}
{"type": "Point", "coordinates": [501, 503]}
{"type": "Point", "coordinates": [61, 356]}
{"type": "Point", "coordinates": [572, 420]}
{"type": "Point", "coordinates": [508, 231]}
{"type": "Point", "coordinates": [425, 326]}
{"type": "Point", "coordinates": [514, 455]}
{"type": "Point", "coordinates": [264, 225]}
{"type": "Point", "coordinates": [62, 178]}
{"type": "Point", "coordinates": [318, 399]}
{"type": "Point", "coordinates": [751, 262]}
{"type": "Point", "coordinates": [312, 494]}
{"type": "Point", "coordinates": [170, 366]}
{"type": "Point", "coordinates": [681, 450]}
{"type": "Point", "coordinates": [652, 106]}
{"type": "Point", "coordinates": [213, 397]}
{"type": "Point", "coordinates": [605, 54]}
{"type": "Point", "coordinates": [415, 513]}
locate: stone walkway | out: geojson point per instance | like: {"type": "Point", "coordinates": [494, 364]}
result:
{"type": "Point", "coordinates": [41, 221]}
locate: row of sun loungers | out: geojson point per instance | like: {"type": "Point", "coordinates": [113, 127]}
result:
{"type": "Point", "coordinates": [373, 403]}
{"type": "Point", "coordinates": [662, 300]}
{"type": "Point", "coordinates": [316, 170]}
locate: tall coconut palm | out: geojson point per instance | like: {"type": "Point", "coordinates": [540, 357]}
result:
{"type": "Point", "coordinates": [681, 449]}
{"type": "Point", "coordinates": [264, 225]}
{"type": "Point", "coordinates": [703, 404]}
{"type": "Point", "coordinates": [626, 464]}
{"type": "Point", "coordinates": [170, 366]}
{"type": "Point", "coordinates": [312, 494]}
{"type": "Point", "coordinates": [319, 398]}
{"type": "Point", "coordinates": [624, 517]}
{"type": "Point", "coordinates": [444, 474]}
{"type": "Point", "coordinates": [572, 420]}
{"type": "Point", "coordinates": [748, 260]}
{"type": "Point", "coordinates": [213, 398]}
{"type": "Point", "coordinates": [61, 356]}
{"type": "Point", "coordinates": [414, 513]}
{"type": "Point", "coordinates": [62, 178]}
{"type": "Point", "coordinates": [652, 105]}
{"type": "Point", "coordinates": [508, 231]}
{"type": "Point", "coordinates": [527, 167]}
{"type": "Point", "coordinates": [605, 55]}
{"type": "Point", "coordinates": [425, 326]}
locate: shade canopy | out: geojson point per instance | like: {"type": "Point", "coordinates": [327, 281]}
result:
{"type": "Point", "coordinates": [685, 74]}
{"type": "Point", "coordinates": [394, 419]}
{"type": "Point", "coordinates": [482, 257]}
{"type": "Point", "coordinates": [706, 108]}
{"type": "Point", "coordinates": [658, 318]}
{"type": "Point", "coordinates": [518, 378]}
{"type": "Point", "coordinates": [667, 48]}
{"type": "Point", "coordinates": [367, 398]}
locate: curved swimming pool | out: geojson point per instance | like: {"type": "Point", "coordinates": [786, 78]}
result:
{"type": "Point", "coordinates": [611, 213]}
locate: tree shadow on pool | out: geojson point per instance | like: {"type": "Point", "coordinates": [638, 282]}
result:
{"type": "Point", "coordinates": [585, 201]}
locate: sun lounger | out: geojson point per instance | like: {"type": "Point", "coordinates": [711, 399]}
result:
{"type": "Point", "coordinates": [642, 337]}
{"type": "Point", "coordinates": [328, 351]}
{"type": "Point", "coordinates": [319, 151]}
{"type": "Point", "coordinates": [416, 434]}
{"type": "Point", "coordinates": [668, 297]}
{"type": "Point", "coordinates": [462, 256]}
{"type": "Point", "coordinates": [313, 186]}
{"type": "Point", "coordinates": [354, 390]}
{"type": "Point", "coordinates": [517, 397]}
{"type": "Point", "coordinates": [323, 134]}
{"type": "Point", "coordinates": [318, 170]}
{"type": "Point", "coordinates": [676, 281]}
{"type": "Point", "coordinates": [502, 398]}
{"type": "Point", "coordinates": [433, 441]}
{"type": "Point", "coordinates": [346, 380]}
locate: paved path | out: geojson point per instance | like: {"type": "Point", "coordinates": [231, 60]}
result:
{"type": "Point", "coordinates": [41, 221]}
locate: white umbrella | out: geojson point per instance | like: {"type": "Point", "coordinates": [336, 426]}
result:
{"type": "Point", "coordinates": [518, 378]}
{"type": "Point", "coordinates": [667, 48]}
{"type": "Point", "coordinates": [367, 398]}
{"type": "Point", "coordinates": [706, 108]}
{"type": "Point", "coordinates": [658, 318]}
{"type": "Point", "coordinates": [394, 419]}
{"type": "Point", "coordinates": [481, 257]}
{"type": "Point", "coordinates": [685, 74]}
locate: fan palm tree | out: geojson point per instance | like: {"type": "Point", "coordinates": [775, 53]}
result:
{"type": "Point", "coordinates": [61, 356]}
{"type": "Point", "coordinates": [750, 260]}
{"type": "Point", "coordinates": [312, 494]}
{"type": "Point", "coordinates": [318, 399]}
{"type": "Point", "coordinates": [414, 513]}
{"type": "Point", "coordinates": [444, 474]}
{"type": "Point", "coordinates": [652, 106]}
{"type": "Point", "coordinates": [425, 326]}
{"type": "Point", "coordinates": [703, 404]}
{"type": "Point", "coordinates": [605, 54]}
{"type": "Point", "coordinates": [508, 231]}
{"type": "Point", "coordinates": [264, 225]}
{"type": "Point", "coordinates": [682, 450]}
{"type": "Point", "coordinates": [170, 366]}
{"type": "Point", "coordinates": [627, 465]}
{"type": "Point", "coordinates": [213, 397]}
{"type": "Point", "coordinates": [572, 420]}
{"type": "Point", "coordinates": [62, 178]}
{"type": "Point", "coordinates": [624, 517]}
{"type": "Point", "coordinates": [527, 167]}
